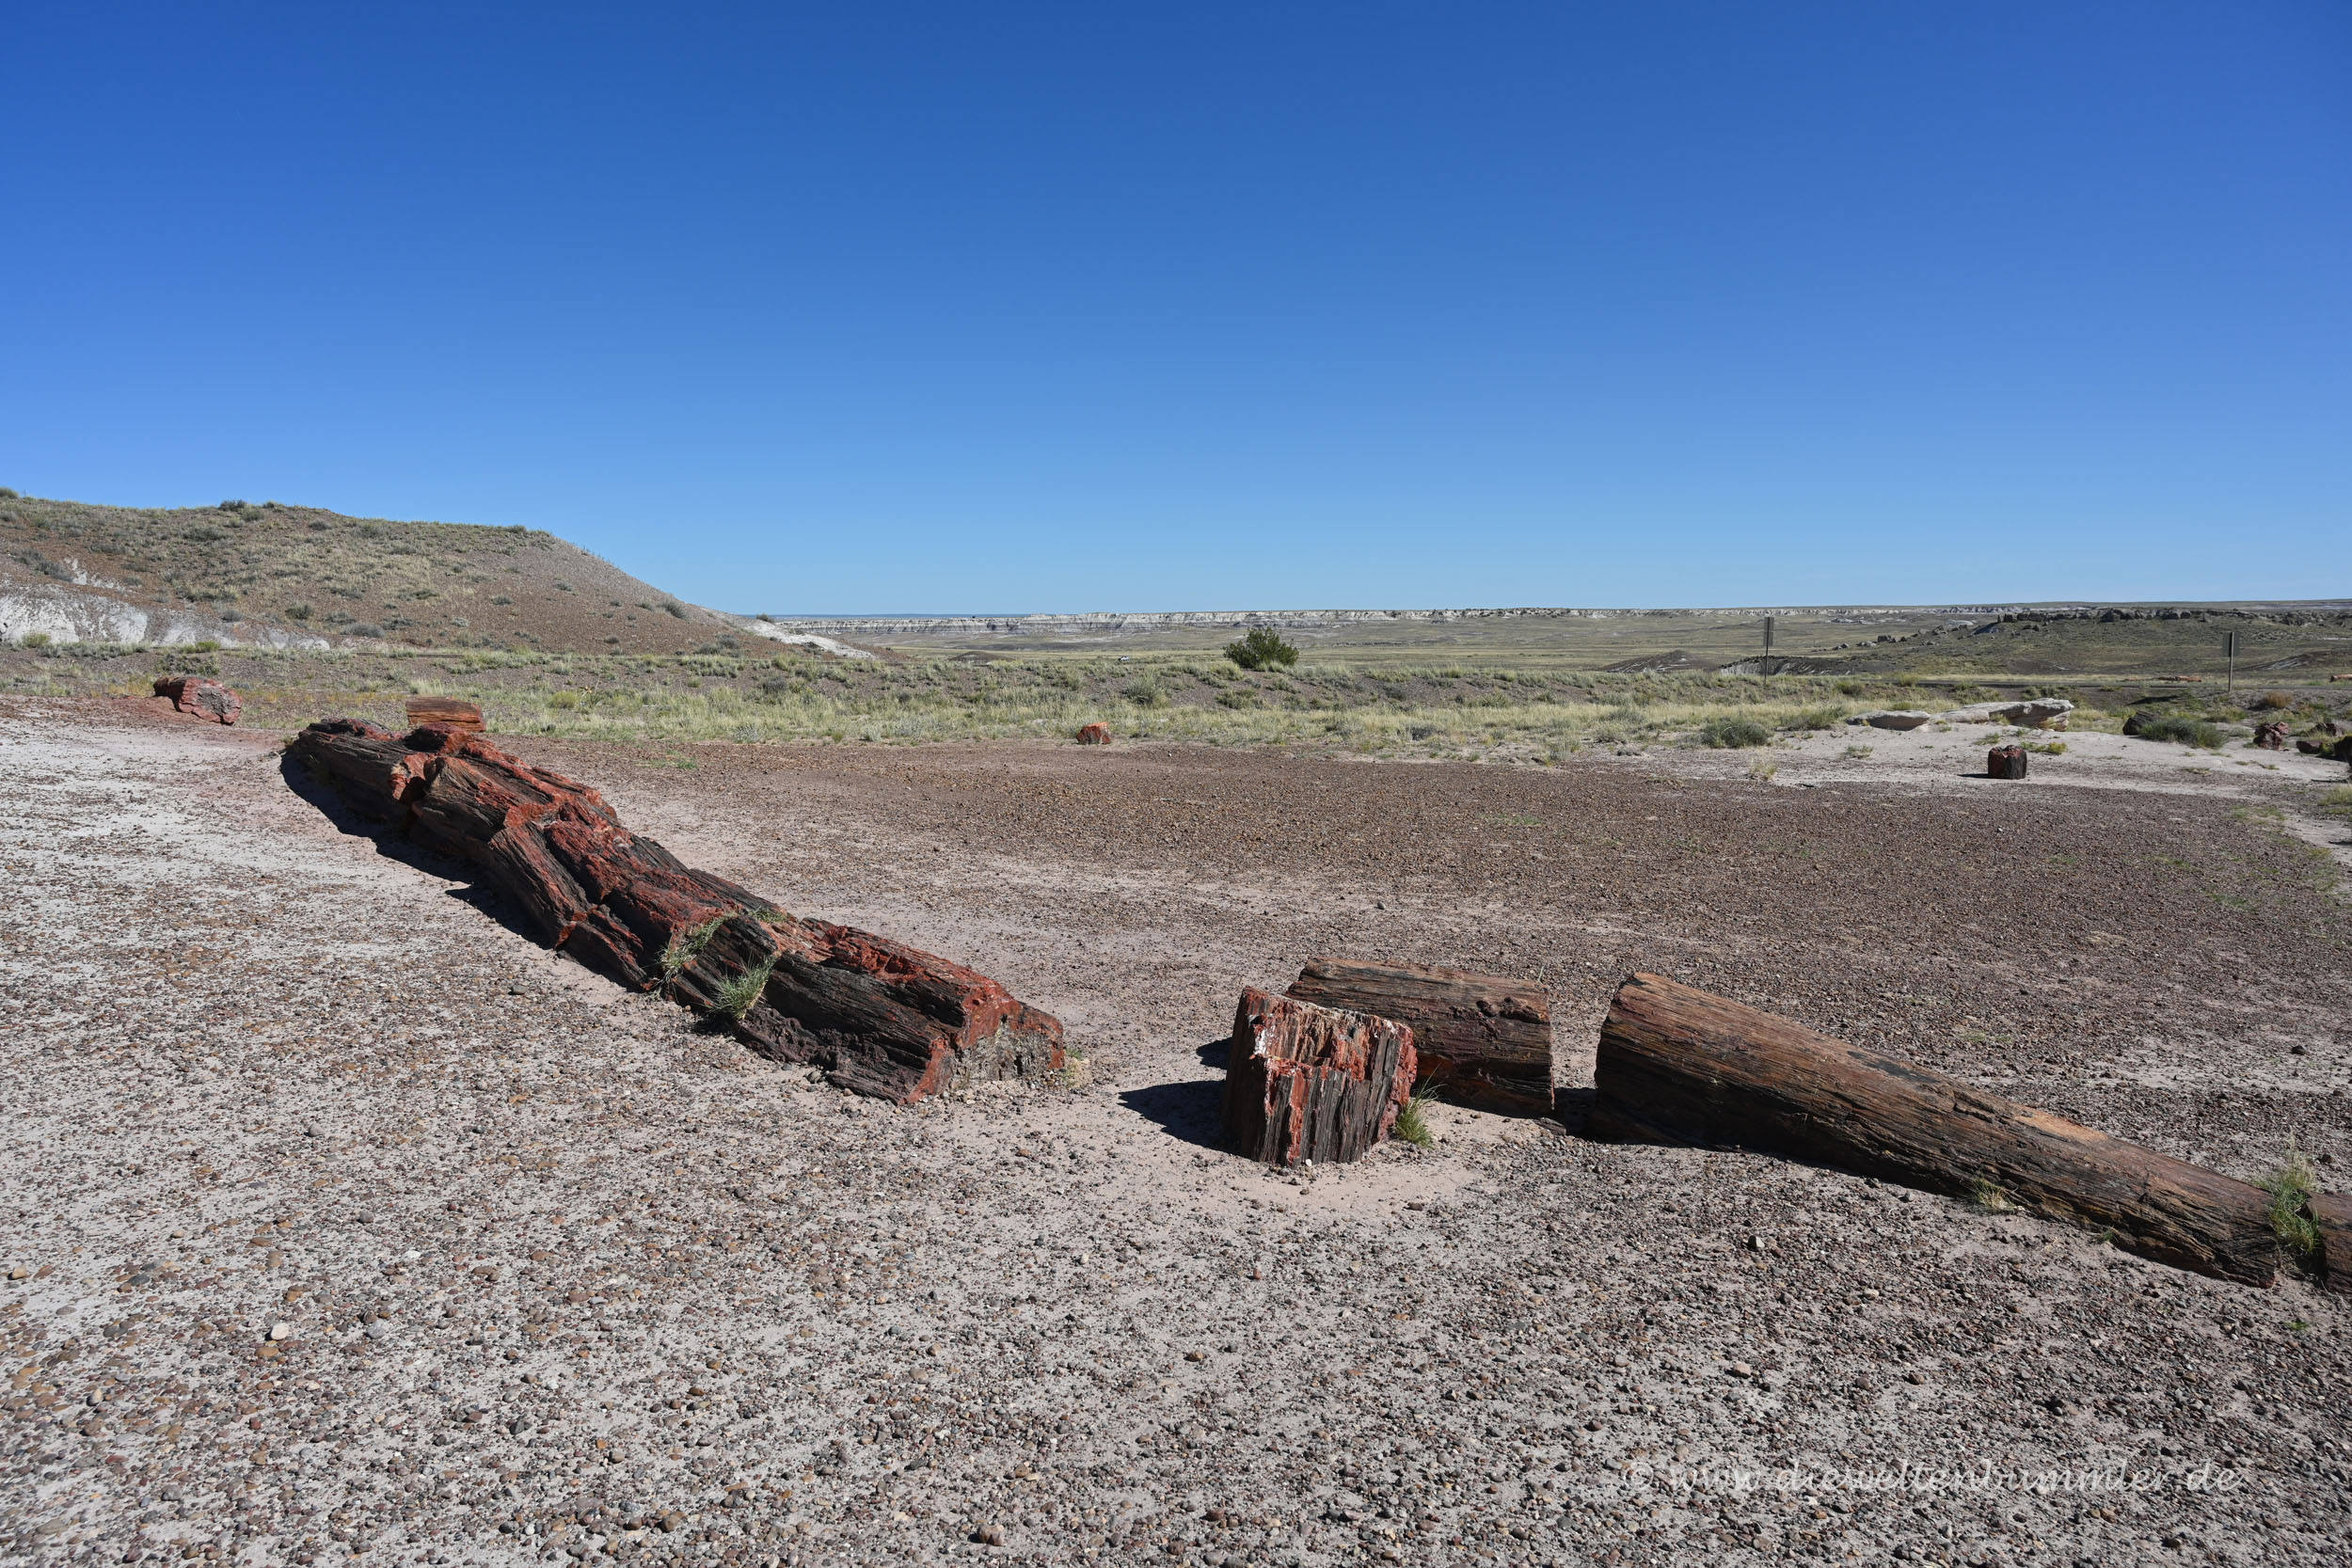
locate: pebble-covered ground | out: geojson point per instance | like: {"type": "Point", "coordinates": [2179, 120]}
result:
{"type": "Point", "coordinates": [341, 1223]}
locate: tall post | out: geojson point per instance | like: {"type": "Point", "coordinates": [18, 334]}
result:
{"type": "Point", "coordinates": [1768, 647]}
{"type": "Point", "coordinates": [2228, 646]}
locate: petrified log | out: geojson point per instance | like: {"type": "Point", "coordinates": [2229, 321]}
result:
{"type": "Point", "coordinates": [1679, 1066]}
{"type": "Point", "coordinates": [450, 712]}
{"type": "Point", "coordinates": [881, 1018]}
{"type": "Point", "coordinates": [201, 698]}
{"type": "Point", "coordinates": [2004, 761]}
{"type": "Point", "coordinates": [1308, 1083]}
{"type": "Point", "coordinates": [1481, 1040]}
{"type": "Point", "coordinates": [2271, 736]}
{"type": "Point", "coordinates": [1095, 735]}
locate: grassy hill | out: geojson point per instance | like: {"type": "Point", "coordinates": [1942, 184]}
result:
{"type": "Point", "coordinates": [277, 574]}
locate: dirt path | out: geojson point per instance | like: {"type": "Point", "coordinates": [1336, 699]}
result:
{"type": "Point", "coordinates": [558, 1272]}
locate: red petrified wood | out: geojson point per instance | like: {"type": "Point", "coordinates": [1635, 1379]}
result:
{"type": "Point", "coordinates": [205, 699]}
{"type": "Point", "coordinates": [450, 712]}
{"type": "Point", "coordinates": [1678, 1065]}
{"type": "Point", "coordinates": [2004, 761]}
{"type": "Point", "coordinates": [1309, 1083]}
{"type": "Point", "coordinates": [1482, 1040]}
{"type": "Point", "coordinates": [1095, 735]}
{"type": "Point", "coordinates": [881, 1018]}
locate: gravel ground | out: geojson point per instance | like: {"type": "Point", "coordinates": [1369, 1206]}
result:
{"type": "Point", "coordinates": [559, 1276]}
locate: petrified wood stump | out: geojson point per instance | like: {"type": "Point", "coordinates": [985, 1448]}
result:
{"type": "Point", "coordinates": [201, 698]}
{"type": "Point", "coordinates": [1095, 735]}
{"type": "Point", "coordinates": [1483, 1040]}
{"type": "Point", "coordinates": [2004, 761]}
{"type": "Point", "coordinates": [2271, 736]}
{"type": "Point", "coordinates": [1679, 1066]}
{"type": "Point", "coordinates": [1309, 1083]}
{"type": "Point", "coordinates": [881, 1018]}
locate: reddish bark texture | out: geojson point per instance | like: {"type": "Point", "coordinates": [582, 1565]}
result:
{"type": "Point", "coordinates": [449, 712]}
{"type": "Point", "coordinates": [1095, 735]}
{"type": "Point", "coordinates": [1482, 1040]}
{"type": "Point", "coordinates": [1304, 1082]}
{"type": "Point", "coordinates": [2271, 736]}
{"type": "Point", "coordinates": [204, 698]}
{"type": "Point", "coordinates": [880, 1017]}
{"type": "Point", "coordinates": [2004, 761]}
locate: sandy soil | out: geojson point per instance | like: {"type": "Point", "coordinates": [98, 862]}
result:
{"type": "Point", "coordinates": [559, 1276]}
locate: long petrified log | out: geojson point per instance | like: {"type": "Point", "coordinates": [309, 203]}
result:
{"type": "Point", "coordinates": [1679, 1066]}
{"type": "Point", "coordinates": [1483, 1040]}
{"type": "Point", "coordinates": [1309, 1083]}
{"type": "Point", "coordinates": [881, 1018]}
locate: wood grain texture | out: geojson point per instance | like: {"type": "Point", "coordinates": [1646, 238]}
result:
{"type": "Point", "coordinates": [1483, 1040]}
{"type": "Point", "coordinates": [880, 1017]}
{"type": "Point", "coordinates": [1679, 1066]}
{"type": "Point", "coordinates": [1304, 1082]}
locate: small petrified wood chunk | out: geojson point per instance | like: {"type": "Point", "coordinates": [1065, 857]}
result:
{"type": "Point", "coordinates": [2271, 736]}
{"type": "Point", "coordinates": [449, 712]}
{"type": "Point", "coordinates": [201, 698]}
{"type": "Point", "coordinates": [2004, 761]}
{"type": "Point", "coordinates": [1678, 1065]}
{"type": "Point", "coordinates": [1483, 1040]}
{"type": "Point", "coordinates": [1095, 735]}
{"type": "Point", "coordinates": [1304, 1082]}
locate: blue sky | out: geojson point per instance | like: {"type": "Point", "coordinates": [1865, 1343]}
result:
{"type": "Point", "coordinates": [957, 307]}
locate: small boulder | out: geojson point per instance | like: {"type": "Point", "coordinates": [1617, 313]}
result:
{"type": "Point", "coordinates": [1095, 735]}
{"type": "Point", "coordinates": [2004, 761]}
{"type": "Point", "coordinates": [1891, 718]}
{"type": "Point", "coordinates": [201, 698]}
{"type": "Point", "coordinates": [2270, 738]}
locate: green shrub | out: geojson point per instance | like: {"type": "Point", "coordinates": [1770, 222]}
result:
{"type": "Point", "coordinates": [298, 611]}
{"type": "Point", "coordinates": [1144, 693]}
{"type": "Point", "coordinates": [1814, 718]}
{"type": "Point", "coordinates": [36, 640]}
{"type": "Point", "coordinates": [1727, 732]}
{"type": "Point", "coordinates": [2337, 802]}
{"type": "Point", "coordinates": [2174, 728]}
{"type": "Point", "coordinates": [738, 995]}
{"type": "Point", "coordinates": [6, 493]}
{"type": "Point", "coordinates": [669, 607]}
{"type": "Point", "coordinates": [1263, 649]}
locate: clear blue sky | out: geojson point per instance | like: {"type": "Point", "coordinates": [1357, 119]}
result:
{"type": "Point", "coordinates": [892, 307]}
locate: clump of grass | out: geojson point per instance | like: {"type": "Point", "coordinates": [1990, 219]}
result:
{"type": "Point", "coordinates": [1857, 752]}
{"type": "Point", "coordinates": [2290, 1187]}
{"type": "Point", "coordinates": [2274, 700]}
{"type": "Point", "coordinates": [2172, 727]}
{"type": "Point", "coordinates": [1763, 769]}
{"type": "Point", "coordinates": [738, 995]}
{"type": "Point", "coordinates": [685, 946]}
{"type": "Point", "coordinates": [1729, 731]}
{"type": "Point", "coordinates": [1263, 649]}
{"type": "Point", "coordinates": [2337, 802]}
{"type": "Point", "coordinates": [1814, 718]}
{"type": "Point", "coordinates": [1987, 1197]}
{"type": "Point", "coordinates": [2051, 748]}
{"type": "Point", "coordinates": [1412, 1119]}
{"type": "Point", "coordinates": [35, 639]}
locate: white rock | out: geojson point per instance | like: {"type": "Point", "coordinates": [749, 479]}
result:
{"type": "Point", "coordinates": [1891, 718]}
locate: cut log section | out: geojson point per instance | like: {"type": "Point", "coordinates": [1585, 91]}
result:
{"type": "Point", "coordinates": [881, 1018]}
{"type": "Point", "coordinates": [448, 712]}
{"type": "Point", "coordinates": [1483, 1040]}
{"type": "Point", "coordinates": [2004, 761]}
{"type": "Point", "coordinates": [1308, 1083]}
{"type": "Point", "coordinates": [1679, 1066]}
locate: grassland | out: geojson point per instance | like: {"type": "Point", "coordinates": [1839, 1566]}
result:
{"type": "Point", "coordinates": [742, 693]}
